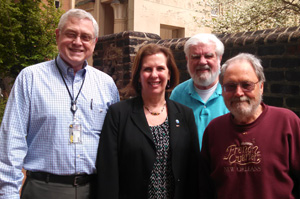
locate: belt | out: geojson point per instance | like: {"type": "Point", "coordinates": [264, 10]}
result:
{"type": "Point", "coordinates": [75, 180]}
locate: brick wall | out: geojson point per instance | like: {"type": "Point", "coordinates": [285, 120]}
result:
{"type": "Point", "coordinates": [114, 54]}
{"type": "Point", "coordinates": [279, 50]}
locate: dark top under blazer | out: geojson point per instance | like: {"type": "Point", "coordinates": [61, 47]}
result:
{"type": "Point", "coordinates": [126, 153]}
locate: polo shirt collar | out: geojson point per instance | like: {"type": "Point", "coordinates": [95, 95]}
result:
{"type": "Point", "coordinates": [192, 92]}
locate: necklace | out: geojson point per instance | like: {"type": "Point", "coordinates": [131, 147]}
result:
{"type": "Point", "coordinates": [154, 113]}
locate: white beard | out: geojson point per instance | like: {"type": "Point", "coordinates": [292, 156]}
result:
{"type": "Point", "coordinates": [243, 106]}
{"type": "Point", "coordinates": [204, 79]}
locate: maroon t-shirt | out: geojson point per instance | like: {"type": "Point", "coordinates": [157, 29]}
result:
{"type": "Point", "coordinates": [260, 160]}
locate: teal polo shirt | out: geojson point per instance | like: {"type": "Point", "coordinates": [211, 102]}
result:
{"type": "Point", "coordinates": [186, 94]}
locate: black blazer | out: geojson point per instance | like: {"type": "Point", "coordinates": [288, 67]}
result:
{"type": "Point", "coordinates": [126, 153]}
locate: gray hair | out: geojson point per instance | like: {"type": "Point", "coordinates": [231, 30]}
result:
{"type": "Point", "coordinates": [254, 61]}
{"type": "Point", "coordinates": [204, 38]}
{"type": "Point", "coordinates": [80, 14]}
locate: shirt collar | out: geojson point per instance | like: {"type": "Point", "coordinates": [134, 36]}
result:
{"type": "Point", "coordinates": [65, 68]}
{"type": "Point", "coordinates": [192, 92]}
{"type": "Point", "coordinates": [219, 89]}
{"type": "Point", "coordinates": [191, 88]}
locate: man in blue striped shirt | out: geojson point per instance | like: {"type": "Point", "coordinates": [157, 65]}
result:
{"type": "Point", "coordinates": [53, 119]}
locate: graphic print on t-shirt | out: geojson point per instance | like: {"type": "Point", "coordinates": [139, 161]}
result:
{"type": "Point", "coordinates": [245, 157]}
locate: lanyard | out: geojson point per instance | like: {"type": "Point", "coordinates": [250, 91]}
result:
{"type": "Point", "coordinates": [73, 101]}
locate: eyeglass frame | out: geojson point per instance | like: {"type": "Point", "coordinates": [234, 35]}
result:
{"type": "Point", "coordinates": [74, 36]}
{"type": "Point", "coordinates": [252, 84]}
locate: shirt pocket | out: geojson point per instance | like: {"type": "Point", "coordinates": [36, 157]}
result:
{"type": "Point", "coordinates": [98, 115]}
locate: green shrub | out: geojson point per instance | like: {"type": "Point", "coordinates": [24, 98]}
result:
{"type": "Point", "coordinates": [2, 107]}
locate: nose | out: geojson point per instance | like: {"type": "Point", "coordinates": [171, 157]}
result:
{"type": "Point", "coordinates": [202, 60]}
{"type": "Point", "coordinates": [77, 40]}
{"type": "Point", "coordinates": [154, 73]}
{"type": "Point", "coordinates": [238, 91]}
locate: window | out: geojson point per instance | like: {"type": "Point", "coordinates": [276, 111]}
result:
{"type": "Point", "coordinates": [170, 32]}
{"type": "Point", "coordinates": [57, 4]}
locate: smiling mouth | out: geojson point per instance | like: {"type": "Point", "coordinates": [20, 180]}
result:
{"type": "Point", "coordinates": [240, 102]}
{"type": "Point", "coordinates": [154, 83]}
{"type": "Point", "coordinates": [76, 50]}
{"type": "Point", "coordinates": [203, 68]}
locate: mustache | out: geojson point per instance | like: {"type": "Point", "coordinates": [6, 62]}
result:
{"type": "Point", "coordinates": [206, 67]}
{"type": "Point", "coordinates": [240, 99]}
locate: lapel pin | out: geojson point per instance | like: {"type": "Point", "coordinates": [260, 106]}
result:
{"type": "Point", "coordinates": [177, 123]}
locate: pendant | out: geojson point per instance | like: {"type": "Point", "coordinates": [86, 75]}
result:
{"type": "Point", "coordinates": [154, 113]}
{"type": "Point", "coordinates": [74, 107]}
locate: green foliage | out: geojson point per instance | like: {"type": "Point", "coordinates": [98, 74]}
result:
{"type": "Point", "coordinates": [27, 34]}
{"type": "Point", "coordinates": [2, 107]}
{"type": "Point", "coordinates": [243, 15]}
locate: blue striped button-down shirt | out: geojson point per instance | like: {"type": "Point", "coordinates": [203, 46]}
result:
{"type": "Point", "coordinates": [34, 132]}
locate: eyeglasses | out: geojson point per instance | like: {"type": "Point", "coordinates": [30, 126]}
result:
{"type": "Point", "coordinates": [245, 86]}
{"type": "Point", "coordinates": [83, 37]}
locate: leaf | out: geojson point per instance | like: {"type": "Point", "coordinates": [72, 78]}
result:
{"type": "Point", "coordinates": [27, 34]}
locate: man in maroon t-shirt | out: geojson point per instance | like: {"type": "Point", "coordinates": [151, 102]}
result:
{"type": "Point", "coordinates": [253, 152]}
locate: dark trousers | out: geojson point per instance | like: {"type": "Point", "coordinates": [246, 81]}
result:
{"type": "Point", "coordinates": [36, 189]}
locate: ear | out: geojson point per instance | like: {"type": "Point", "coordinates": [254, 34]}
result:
{"type": "Point", "coordinates": [219, 60]}
{"type": "Point", "coordinates": [94, 43]}
{"type": "Point", "coordinates": [57, 34]}
{"type": "Point", "coordinates": [261, 88]}
{"type": "Point", "coordinates": [96, 40]}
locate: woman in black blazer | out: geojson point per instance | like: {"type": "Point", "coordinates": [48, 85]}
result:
{"type": "Point", "coordinates": [149, 144]}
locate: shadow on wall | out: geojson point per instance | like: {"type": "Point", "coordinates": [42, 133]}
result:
{"type": "Point", "coordinates": [279, 50]}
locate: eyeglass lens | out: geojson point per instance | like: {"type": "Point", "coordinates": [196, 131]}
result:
{"type": "Point", "coordinates": [245, 86]}
{"type": "Point", "coordinates": [83, 37]}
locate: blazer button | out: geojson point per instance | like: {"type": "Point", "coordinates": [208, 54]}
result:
{"type": "Point", "coordinates": [178, 180]}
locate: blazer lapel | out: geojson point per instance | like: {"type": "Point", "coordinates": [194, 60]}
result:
{"type": "Point", "coordinates": [138, 117]}
{"type": "Point", "coordinates": [175, 120]}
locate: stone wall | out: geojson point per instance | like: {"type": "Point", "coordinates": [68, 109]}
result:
{"type": "Point", "coordinates": [279, 50]}
{"type": "Point", "coordinates": [114, 54]}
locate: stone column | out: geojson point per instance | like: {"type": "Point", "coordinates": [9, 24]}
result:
{"type": "Point", "coordinates": [120, 16]}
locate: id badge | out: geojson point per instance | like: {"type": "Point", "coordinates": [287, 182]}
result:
{"type": "Point", "coordinates": [75, 131]}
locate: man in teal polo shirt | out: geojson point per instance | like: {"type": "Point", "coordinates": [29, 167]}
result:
{"type": "Point", "coordinates": [202, 92]}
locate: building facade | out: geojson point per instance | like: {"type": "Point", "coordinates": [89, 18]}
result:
{"type": "Point", "coordinates": [166, 18]}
